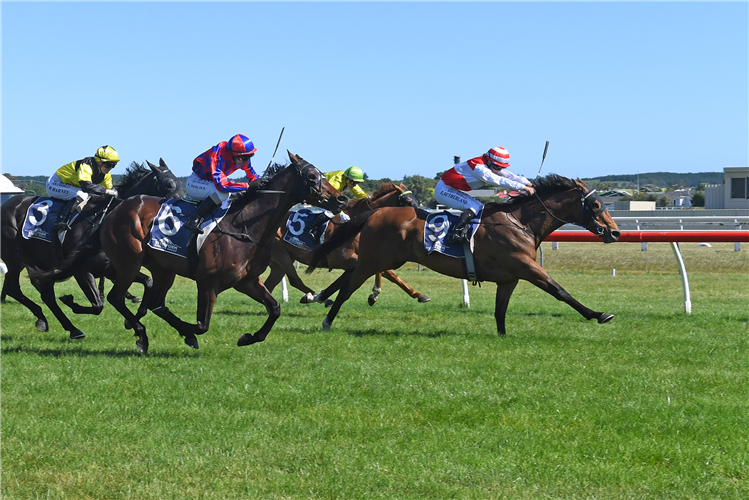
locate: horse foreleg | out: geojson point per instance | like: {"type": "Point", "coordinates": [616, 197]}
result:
{"type": "Point", "coordinates": [542, 280]}
{"type": "Point", "coordinates": [47, 291]}
{"type": "Point", "coordinates": [87, 283]}
{"type": "Point", "coordinates": [255, 289]}
{"type": "Point", "coordinates": [391, 276]}
{"type": "Point", "coordinates": [162, 282]}
{"type": "Point", "coordinates": [502, 299]}
{"type": "Point", "coordinates": [376, 290]}
{"type": "Point", "coordinates": [12, 287]}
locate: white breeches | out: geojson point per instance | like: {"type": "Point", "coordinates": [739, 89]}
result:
{"type": "Point", "coordinates": [58, 189]}
{"type": "Point", "coordinates": [200, 189]}
{"type": "Point", "coordinates": [455, 198]}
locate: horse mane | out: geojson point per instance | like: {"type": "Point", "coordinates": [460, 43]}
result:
{"type": "Point", "coordinates": [553, 183]}
{"type": "Point", "coordinates": [273, 170]}
{"type": "Point", "coordinates": [135, 172]}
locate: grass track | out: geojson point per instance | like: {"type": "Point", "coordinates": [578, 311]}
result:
{"type": "Point", "coordinates": [402, 400]}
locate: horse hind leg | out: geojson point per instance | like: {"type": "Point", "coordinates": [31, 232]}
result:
{"type": "Point", "coordinates": [12, 287]}
{"type": "Point", "coordinates": [350, 281]}
{"type": "Point", "coordinates": [501, 301]}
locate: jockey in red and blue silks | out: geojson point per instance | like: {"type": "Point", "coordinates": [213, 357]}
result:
{"type": "Point", "coordinates": [209, 181]}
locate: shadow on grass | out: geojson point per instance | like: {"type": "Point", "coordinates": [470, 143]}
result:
{"type": "Point", "coordinates": [83, 352]}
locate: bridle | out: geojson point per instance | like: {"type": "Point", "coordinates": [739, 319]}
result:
{"type": "Point", "coordinates": [588, 212]}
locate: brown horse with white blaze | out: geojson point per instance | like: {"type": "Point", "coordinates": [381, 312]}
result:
{"type": "Point", "coordinates": [505, 243]}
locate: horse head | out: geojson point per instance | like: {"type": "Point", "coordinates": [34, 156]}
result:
{"type": "Point", "coordinates": [314, 188]}
{"type": "Point", "coordinates": [595, 216]}
{"type": "Point", "coordinates": [407, 198]}
{"type": "Point", "coordinates": [168, 184]}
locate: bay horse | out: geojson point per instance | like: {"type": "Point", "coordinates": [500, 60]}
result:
{"type": "Point", "coordinates": [284, 253]}
{"type": "Point", "coordinates": [37, 255]}
{"type": "Point", "coordinates": [505, 243]}
{"type": "Point", "coordinates": [233, 255]}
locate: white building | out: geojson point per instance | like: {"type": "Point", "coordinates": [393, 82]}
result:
{"type": "Point", "coordinates": [7, 189]}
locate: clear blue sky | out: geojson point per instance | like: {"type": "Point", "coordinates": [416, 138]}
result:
{"type": "Point", "coordinates": [395, 88]}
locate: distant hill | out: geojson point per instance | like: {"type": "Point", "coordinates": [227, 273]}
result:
{"type": "Point", "coordinates": [660, 179]}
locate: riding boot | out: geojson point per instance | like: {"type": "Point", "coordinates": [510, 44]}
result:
{"type": "Point", "coordinates": [196, 219]}
{"type": "Point", "coordinates": [62, 224]}
{"type": "Point", "coordinates": [317, 226]}
{"type": "Point", "coordinates": [459, 232]}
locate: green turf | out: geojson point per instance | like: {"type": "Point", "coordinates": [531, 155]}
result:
{"type": "Point", "coordinates": [400, 400]}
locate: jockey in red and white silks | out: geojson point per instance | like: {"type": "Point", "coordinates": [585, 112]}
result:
{"type": "Point", "coordinates": [488, 169]}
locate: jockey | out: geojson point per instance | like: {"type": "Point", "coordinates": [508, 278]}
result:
{"type": "Point", "coordinates": [209, 182]}
{"type": "Point", "coordinates": [75, 181]}
{"type": "Point", "coordinates": [340, 179]}
{"type": "Point", "coordinates": [491, 169]}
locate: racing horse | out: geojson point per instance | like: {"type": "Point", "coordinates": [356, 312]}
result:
{"type": "Point", "coordinates": [39, 255]}
{"type": "Point", "coordinates": [233, 255]}
{"type": "Point", "coordinates": [284, 253]}
{"type": "Point", "coordinates": [505, 243]}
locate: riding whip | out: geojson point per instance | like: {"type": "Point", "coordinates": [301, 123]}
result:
{"type": "Point", "coordinates": [279, 142]}
{"type": "Point", "coordinates": [542, 159]}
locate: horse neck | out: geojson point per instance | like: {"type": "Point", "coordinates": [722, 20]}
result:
{"type": "Point", "coordinates": [550, 213]}
{"type": "Point", "coordinates": [389, 199]}
{"type": "Point", "coordinates": [262, 215]}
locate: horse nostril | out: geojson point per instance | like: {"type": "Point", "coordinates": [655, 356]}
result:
{"type": "Point", "coordinates": [616, 234]}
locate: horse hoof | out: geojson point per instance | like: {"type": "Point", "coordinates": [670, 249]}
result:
{"type": "Point", "coordinates": [423, 298]}
{"type": "Point", "coordinates": [307, 298]}
{"type": "Point", "coordinates": [604, 318]}
{"type": "Point", "coordinates": [142, 345]}
{"type": "Point", "coordinates": [371, 300]}
{"type": "Point", "coordinates": [67, 300]}
{"type": "Point", "coordinates": [76, 334]}
{"type": "Point", "coordinates": [192, 342]}
{"type": "Point", "coordinates": [136, 300]}
{"type": "Point", "coordinates": [328, 303]}
{"type": "Point", "coordinates": [246, 339]}
{"type": "Point", "coordinates": [128, 326]}
{"type": "Point", "coordinates": [326, 325]}
{"type": "Point", "coordinates": [42, 325]}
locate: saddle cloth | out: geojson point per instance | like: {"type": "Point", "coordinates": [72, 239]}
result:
{"type": "Point", "coordinates": [437, 226]}
{"type": "Point", "coordinates": [41, 217]}
{"type": "Point", "coordinates": [167, 232]}
{"type": "Point", "coordinates": [298, 227]}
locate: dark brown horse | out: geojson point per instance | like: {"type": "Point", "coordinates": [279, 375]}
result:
{"type": "Point", "coordinates": [39, 255]}
{"type": "Point", "coordinates": [233, 255]}
{"type": "Point", "coordinates": [505, 243]}
{"type": "Point", "coordinates": [284, 253]}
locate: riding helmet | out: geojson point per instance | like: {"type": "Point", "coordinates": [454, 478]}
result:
{"type": "Point", "coordinates": [355, 174]}
{"type": "Point", "coordinates": [108, 154]}
{"type": "Point", "coordinates": [499, 157]}
{"type": "Point", "coordinates": [241, 145]}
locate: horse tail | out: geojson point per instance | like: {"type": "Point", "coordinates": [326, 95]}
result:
{"type": "Point", "coordinates": [342, 235]}
{"type": "Point", "coordinates": [67, 268]}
